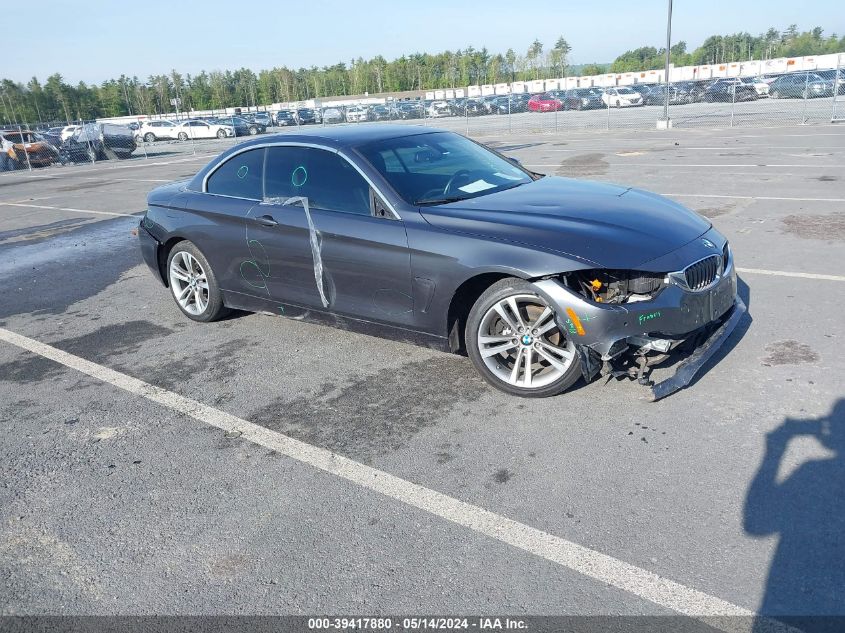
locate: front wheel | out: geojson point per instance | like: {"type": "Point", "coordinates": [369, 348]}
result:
{"type": "Point", "coordinates": [193, 283]}
{"type": "Point", "coordinates": [221, 133]}
{"type": "Point", "coordinates": [253, 131]}
{"type": "Point", "coordinates": [149, 137]}
{"type": "Point", "coordinates": [515, 343]}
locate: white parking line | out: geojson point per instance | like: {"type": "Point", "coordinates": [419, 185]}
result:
{"type": "Point", "coordinates": [783, 273]}
{"type": "Point", "coordinates": [718, 195]}
{"type": "Point", "coordinates": [586, 561]}
{"type": "Point", "coordinates": [41, 206]}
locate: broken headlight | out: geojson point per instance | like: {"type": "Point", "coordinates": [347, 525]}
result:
{"type": "Point", "coordinates": [616, 286]}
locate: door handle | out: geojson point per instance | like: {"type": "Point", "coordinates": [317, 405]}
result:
{"type": "Point", "coordinates": [266, 220]}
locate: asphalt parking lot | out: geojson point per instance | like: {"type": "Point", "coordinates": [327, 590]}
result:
{"type": "Point", "coordinates": [444, 496]}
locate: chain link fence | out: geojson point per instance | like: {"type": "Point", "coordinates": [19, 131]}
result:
{"type": "Point", "coordinates": [796, 98]}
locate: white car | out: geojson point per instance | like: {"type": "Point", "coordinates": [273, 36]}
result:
{"type": "Point", "coordinates": [760, 86]}
{"type": "Point", "coordinates": [438, 109]}
{"type": "Point", "coordinates": [357, 113]}
{"type": "Point", "coordinates": [622, 97]}
{"type": "Point", "coordinates": [150, 131]}
{"type": "Point", "coordinates": [197, 128]}
{"type": "Point", "coordinates": [68, 131]}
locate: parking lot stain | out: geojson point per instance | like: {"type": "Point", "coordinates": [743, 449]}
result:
{"type": "Point", "coordinates": [584, 165]}
{"type": "Point", "coordinates": [218, 364]}
{"type": "Point", "coordinates": [827, 178]}
{"type": "Point", "coordinates": [715, 212]}
{"type": "Point", "coordinates": [789, 352]}
{"type": "Point", "coordinates": [380, 413]}
{"type": "Point", "coordinates": [41, 231]}
{"type": "Point", "coordinates": [113, 340]}
{"type": "Point", "coordinates": [29, 370]}
{"type": "Point", "coordinates": [830, 227]}
{"type": "Point", "coordinates": [502, 476]}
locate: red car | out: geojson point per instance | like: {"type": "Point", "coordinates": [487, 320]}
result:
{"type": "Point", "coordinates": [544, 102]}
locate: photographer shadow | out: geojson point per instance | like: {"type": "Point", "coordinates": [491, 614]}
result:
{"type": "Point", "coordinates": [806, 583]}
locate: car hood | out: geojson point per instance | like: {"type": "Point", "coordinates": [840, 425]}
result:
{"type": "Point", "coordinates": [603, 224]}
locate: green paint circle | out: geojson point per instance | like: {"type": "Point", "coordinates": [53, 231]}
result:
{"type": "Point", "coordinates": [243, 170]}
{"type": "Point", "coordinates": [298, 181]}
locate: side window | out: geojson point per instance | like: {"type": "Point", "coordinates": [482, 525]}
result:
{"type": "Point", "coordinates": [327, 180]}
{"type": "Point", "coordinates": [240, 176]}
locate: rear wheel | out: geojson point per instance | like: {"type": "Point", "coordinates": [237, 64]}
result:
{"type": "Point", "coordinates": [516, 344]}
{"type": "Point", "coordinates": [193, 284]}
{"type": "Point", "coordinates": [183, 136]}
{"type": "Point", "coordinates": [775, 94]}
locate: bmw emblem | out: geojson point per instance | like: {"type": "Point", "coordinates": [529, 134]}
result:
{"type": "Point", "coordinates": [526, 339]}
{"type": "Point", "coordinates": [707, 243]}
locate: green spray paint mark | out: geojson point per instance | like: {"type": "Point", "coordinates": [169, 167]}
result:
{"type": "Point", "coordinates": [243, 170]}
{"type": "Point", "coordinates": [649, 316]}
{"type": "Point", "coordinates": [299, 176]}
{"type": "Point", "coordinates": [281, 309]}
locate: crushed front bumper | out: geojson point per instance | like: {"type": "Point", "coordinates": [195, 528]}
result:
{"type": "Point", "coordinates": [674, 315]}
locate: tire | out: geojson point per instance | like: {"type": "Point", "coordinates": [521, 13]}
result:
{"type": "Point", "coordinates": [149, 137]}
{"type": "Point", "coordinates": [221, 133]}
{"type": "Point", "coordinates": [775, 94]}
{"type": "Point", "coordinates": [253, 131]}
{"type": "Point", "coordinates": [91, 153]}
{"type": "Point", "coordinates": [501, 358]}
{"type": "Point", "coordinates": [190, 275]}
{"type": "Point", "coordinates": [182, 136]}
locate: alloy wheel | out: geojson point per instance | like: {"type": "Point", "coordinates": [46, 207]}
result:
{"type": "Point", "coordinates": [189, 283]}
{"type": "Point", "coordinates": [521, 344]}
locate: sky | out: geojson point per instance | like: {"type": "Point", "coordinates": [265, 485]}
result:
{"type": "Point", "coordinates": [114, 37]}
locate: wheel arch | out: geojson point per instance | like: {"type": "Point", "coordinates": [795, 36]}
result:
{"type": "Point", "coordinates": [163, 253]}
{"type": "Point", "coordinates": [464, 298]}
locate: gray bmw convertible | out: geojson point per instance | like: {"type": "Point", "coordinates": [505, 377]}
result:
{"type": "Point", "coordinates": [423, 235]}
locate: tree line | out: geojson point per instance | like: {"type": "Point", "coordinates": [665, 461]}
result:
{"type": "Point", "coordinates": [56, 100]}
{"type": "Point", "coordinates": [719, 49]}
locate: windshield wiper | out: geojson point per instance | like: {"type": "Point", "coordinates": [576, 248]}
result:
{"type": "Point", "coordinates": [426, 202]}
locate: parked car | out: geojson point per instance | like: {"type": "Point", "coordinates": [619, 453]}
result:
{"type": "Point", "coordinates": [410, 110]}
{"type": "Point", "coordinates": [383, 113]}
{"type": "Point", "coordinates": [333, 115]}
{"type": "Point", "coordinates": [544, 102]}
{"type": "Point", "coordinates": [150, 131]}
{"type": "Point", "coordinates": [437, 109]}
{"type": "Point", "coordinates": [426, 235]}
{"type": "Point", "coordinates": [53, 135]}
{"type": "Point", "coordinates": [500, 105]}
{"type": "Point", "coordinates": [357, 113]}
{"type": "Point", "coordinates": [657, 95]}
{"type": "Point", "coordinates": [760, 86]}
{"type": "Point", "coordinates": [262, 118]}
{"type": "Point", "coordinates": [98, 141]}
{"type": "Point", "coordinates": [801, 85]}
{"type": "Point", "coordinates": [643, 89]}
{"type": "Point", "coordinates": [695, 89]}
{"type": "Point", "coordinates": [830, 75]}
{"type": "Point", "coordinates": [242, 126]}
{"type": "Point", "coordinates": [467, 107]}
{"type": "Point", "coordinates": [21, 149]}
{"type": "Point", "coordinates": [306, 116]}
{"type": "Point", "coordinates": [622, 97]}
{"type": "Point", "coordinates": [729, 89]}
{"type": "Point", "coordinates": [68, 131]}
{"type": "Point", "coordinates": [582, 99]}
{"type": "Point", "coordinates": [285, 118]}
{"type": "Point", "coordinates": [197, 128]}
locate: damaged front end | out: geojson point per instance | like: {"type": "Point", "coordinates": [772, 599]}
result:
{"type": "Point", "coordinates": [624, 322]}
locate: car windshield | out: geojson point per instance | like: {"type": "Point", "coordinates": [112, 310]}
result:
{"type": "Point", "coordinates": [625, 91]}
{"type": "Point", "coordinates": [429, 169]}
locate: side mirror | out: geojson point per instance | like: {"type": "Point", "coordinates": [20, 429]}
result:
{"type": "Point", "coordinates": [513, 160]}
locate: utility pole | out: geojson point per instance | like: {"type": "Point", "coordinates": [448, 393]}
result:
{"type": "Point", "coordinates": [668, 49]}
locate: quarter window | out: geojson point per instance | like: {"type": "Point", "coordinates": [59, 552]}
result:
{"type": "Point", "coordinates": [240, 176]}
{"type": "Point", "coordinates": [327, 180]}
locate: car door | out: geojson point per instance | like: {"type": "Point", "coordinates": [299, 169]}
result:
{"type": "Point", "coordinates": [346, 252]}
{"type": "Point", "coordinates": [217, 219]}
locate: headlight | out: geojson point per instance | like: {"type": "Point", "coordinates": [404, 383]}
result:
{"type": "Point", "coordinates": [585, 101]}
